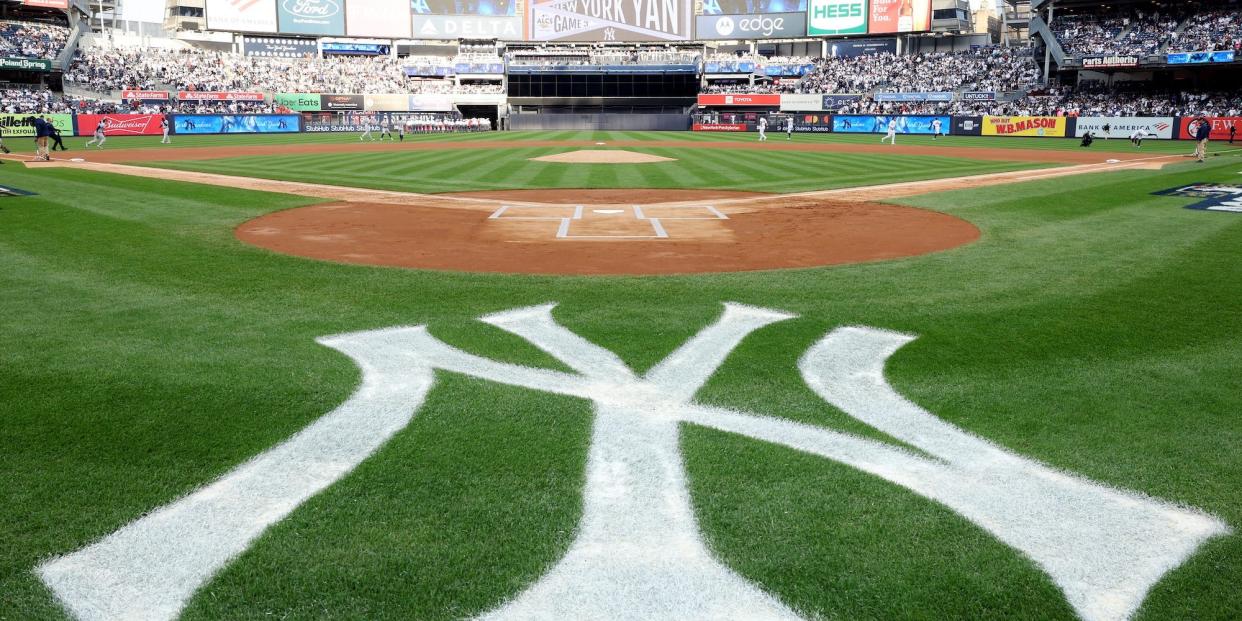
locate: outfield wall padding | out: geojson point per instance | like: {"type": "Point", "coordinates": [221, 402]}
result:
{"type": "Point", "coordinates": [600, 121]}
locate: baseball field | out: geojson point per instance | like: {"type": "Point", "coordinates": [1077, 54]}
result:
{"type": "Point", "coordinates": [304, 377]}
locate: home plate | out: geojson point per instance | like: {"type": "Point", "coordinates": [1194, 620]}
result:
{"type": "Point", "coordinates": [608, 210]}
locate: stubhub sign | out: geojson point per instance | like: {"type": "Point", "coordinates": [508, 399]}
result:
{"type": "Point", "coordinates": [754, 26]}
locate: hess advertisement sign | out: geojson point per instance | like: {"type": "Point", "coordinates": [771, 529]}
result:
{"type": "Point", "coordinates": [759, 26]}
{"type": "Point", "coordinates": [836, 17]}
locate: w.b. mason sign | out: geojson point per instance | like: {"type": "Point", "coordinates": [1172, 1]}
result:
{"type": "Point", "coordinates": [638, 551]}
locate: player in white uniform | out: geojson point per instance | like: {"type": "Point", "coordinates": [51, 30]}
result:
{"type": "Point", "coordinates": [386, 129]}
{"type": "Point", "coordinates": [99, 138]}
{"type": "Point", "coordinates": [164, 127]}
{"type": "Point", "coordinates": [1137, 137]}
{"type": "Point", "coordinates": [936, 129]}
{"type": "Point", "coordinates": [789, 128]}
{"type": "Point", "coordinates": [367, 122]}
{"type": "Point", "coordinates": [892, 132]}
{"type": "Point", "coordinates": [763, 128]}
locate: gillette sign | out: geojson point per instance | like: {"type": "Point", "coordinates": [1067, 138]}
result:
{"type": "Point", "coordinates": [836, 17]}
{"type": "Point", "coordinates": [609, 20]}
{"type": "Point", "coordinates": [756, 26]}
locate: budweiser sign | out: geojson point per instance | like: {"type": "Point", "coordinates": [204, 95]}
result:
{"type": "Point", "coordinates": [218, 96]}
{"type": "Point", "coordinates": [121, 124]}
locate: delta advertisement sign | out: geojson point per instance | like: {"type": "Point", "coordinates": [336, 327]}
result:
{"type": "Point", "coordinates": [856, 17]}
{"type": "Point", "coordinates": [1220, 127]}
{"type": "Point", "coordinates": [1159, 128]}
{"type": "Point", "coordinates": [610, 20]}
{"type": "Point", "coordinates": [1046, 126]}
{"type": "Point", "coordinates": [121, 124]}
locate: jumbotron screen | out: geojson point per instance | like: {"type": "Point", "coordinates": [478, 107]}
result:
{"type": "Point", "coordinates": [856, 17]}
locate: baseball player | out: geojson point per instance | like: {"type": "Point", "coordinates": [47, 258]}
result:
{"type": "Point", "coordinates": [401, 131]}
{"type": "Point", "coordinates": [1108, 130]}
{"type": "Point", "coordinates": [936, 127]}
{"type": "Point", "coordinates": [789, 128]}
{"type": "Point", "coordinates": [1137, 137]}
{"type": "Point", "coordinates": [892, 132]}
{"type": "Point", "coordinates": [164, 128]}
{"type": "Point", "coordinates": [386, 129]}
{"type": "Point", "coordinates": [366, 133]}
{"type": "Point", "coordinates": [99, 138]}
{"type": "Point", "coordinates": [2, 147]}
{"type": "Point", "coordinates": [763, 128]}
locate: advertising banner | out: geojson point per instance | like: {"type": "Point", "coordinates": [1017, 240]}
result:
{"type": "Point", "coordinates": [1220, 127]}
{"type": "Point", "coordinates": [242, 15]}
{"type": "Point", "coordinates": [890, 16]}
{"type": "Point", "coordinates": [25, 64]}
{"type": "Point", "coordinates": [319, 122]}
{"type": "Point", "coordinates": [635, 20]}
{"type": "Point", "coordinates": [873, 124]}
{"type": "Point", "coordinates": [756, 26]}
{"type": "Point", "coordinates": [979, 96]}
{"type": "Point", "coordinates": [217, 96]}
{"type": "Point", "coordinates": [121, 124]}
{"type": "Point", "coordinates": [341, 102]}
{"type": "Point", "coordinates": [1198, 58]}
{"type": "Point", "coordinates": [810, 123]}
{"type": "Point", "coordinates": [850, 48]}
{"type": "Point", "coordinates": [836, 17]}
{"type": "Point", "coordinates": [279, 47]}
{"type": "Point", "coordinates": [386, 103]}
{"type": "Point", "coordinates": [836, 102]}
{"type": "Point", "coordinates": [313, 17]}
{"type": "Point", "coordinates": [967, 126]}
{"type": "Point", "coordinates": [467, 26]}
{"type": "Point", "coordinates": [129, 95]}
{"type": "Point", "coordinates": [720, 127]}
{"type": "Point", "coordinates": [914, 96]}
{"type": "Point", "coordinates": [298, 102]}
{"type": "Point", "coordinates": [739, 100]}
{"type": "Point", "coordinates": [816, 103]}
{"type": "Point", "coordinates": [378, 18]}
{"type": "Point", "coordinates": [237, 123]}
{"type": "Point", "coordinates": [1024, 126]}
{"type": "Point", "coordinates": [430, 103]}
{"type": "Point", "coordinates": [1093, 62]}
{"type": "Point", "coordinates": [47, 4]}
{"type": "Point", "coordinates": [487, 8]}
{"type": "Point", "coordinates": [1159, 128]}
{"type": "Point", "coordinates": [20, 125]}
{"type": "Point", "coordinates": [750, 7]}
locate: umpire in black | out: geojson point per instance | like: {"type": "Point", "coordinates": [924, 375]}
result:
{"type": "Point", "coordinates": [55, 136]}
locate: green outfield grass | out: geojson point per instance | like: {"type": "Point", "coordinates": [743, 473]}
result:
{"type": "Point", "coordinates": [146, 351]}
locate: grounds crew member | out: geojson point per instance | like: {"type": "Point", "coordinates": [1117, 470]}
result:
{"type": "Point", "coordinates": [56, 142]}
{"type": "Point", "coordinates": [1203, 134]}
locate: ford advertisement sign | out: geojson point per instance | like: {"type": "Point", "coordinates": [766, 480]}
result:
{"type": "Point", "coordinates": [317, 17]}
{"type": "Point", "coordinates": [753, 26]}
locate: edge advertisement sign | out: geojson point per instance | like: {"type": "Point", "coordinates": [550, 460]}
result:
{"type": "Point", "coordinates": [19, 125]}
{"type": "Point", "coordinates": [636, 20]}
{"type": "Point", "coordinates": [1158, 128]}
{"type": "Point", "coordinates": [1053, 126]}
{"type": "Point", "coordinates": [121, 124]}
{"type": "Point", "coordinates": [753, 26]}
{"type": "Point", "coordinates": [237, 123]}
{"type": "Point", "coordinates": [1220, 127]}
{"type": "Point", "coordinates": [836, 17]}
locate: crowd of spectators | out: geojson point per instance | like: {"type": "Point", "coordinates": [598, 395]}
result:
{"type": "Point", "coordinates": [1139, 99]}
{"type": "Point", "coordinates": [448, 86]}
{"type": "Point", "coordinates": [1213, 30]}
{"type": "Point", "coordinates": [1088, 34]}
{"type": "Point", "coordinates": [32, 40]}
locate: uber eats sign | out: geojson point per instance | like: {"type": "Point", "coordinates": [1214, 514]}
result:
{"type": "Point", "coordinates": [836, 17]}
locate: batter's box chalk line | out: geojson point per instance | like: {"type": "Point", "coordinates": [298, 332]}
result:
{"type": "Point", "coordinates": [508, 212]}
{"type": "Point", "coordinates": [638, 552]}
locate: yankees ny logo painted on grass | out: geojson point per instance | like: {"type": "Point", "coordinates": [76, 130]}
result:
{"type": "Point", "coordinates": [638, 551]}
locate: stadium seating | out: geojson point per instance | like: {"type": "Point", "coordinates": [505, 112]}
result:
{"type": "Point", "coordinates": [32, 40]}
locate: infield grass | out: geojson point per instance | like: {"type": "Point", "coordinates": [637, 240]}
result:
{"type": "Point", "coordinates": [146, 351]}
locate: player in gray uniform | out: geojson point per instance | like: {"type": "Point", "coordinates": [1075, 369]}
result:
{"type": "Point", "coordinates": [386, 129]}
{"type": "Point", "coordinates": [789, 128]}
{"type": "Point", "coordinates": [367, 122]}
{"type": "Point", "coordinates": [100, 137]}
{"type": "Point", "coordinates": [763, 128]}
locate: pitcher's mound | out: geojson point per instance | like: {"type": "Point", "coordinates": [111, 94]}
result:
{"type": "Point", "coordinates": [602, 156]}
